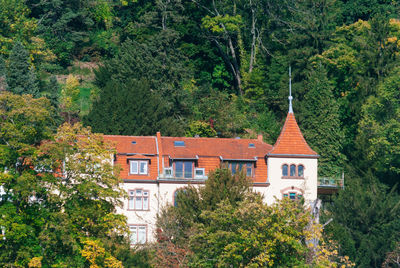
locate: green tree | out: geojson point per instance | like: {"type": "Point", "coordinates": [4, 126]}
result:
{"type": "Point", "coordinates": [321, 124]}
{"type": "Point", "coordinates": [202, 129]}
{"type": "Point", "coordinates": [379, 127]}
{"type": "Point", "coordinates": [25, 123]}
{"type": "Point", "coordinates": [3, 73]}
{"type": "Point", "coordinates": [21, 77]}
{"type": "Point", "coordinates": [58, 193]}
{"type": "Point", "coordinates": [369, 228]}
{"type": "Point", "coordinates": [69, 99]}
{"type": "Point", "coordinates": [53, 92]}
{"type": "Point", "coordinates": [251, 235]}
{"type": "Point", "coordinates": [224, 223]}
{"type": "Point", "coordinates": [131, 108]}
{"type": "Point", "coordinates": [84, 202]}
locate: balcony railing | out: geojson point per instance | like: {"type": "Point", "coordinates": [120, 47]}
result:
{"type": "Point", "coordinates": [331, 182]}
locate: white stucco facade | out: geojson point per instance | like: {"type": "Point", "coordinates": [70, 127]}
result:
{"type": "Point", "coordinates": [162, 193]}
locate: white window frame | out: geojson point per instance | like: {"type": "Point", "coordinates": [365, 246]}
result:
{"type": "Point", "coordinates": [138, 164]}
{"type": "Point", "coordinates": [144, 199]}
{"type": "Point", "coordinates": [134, 231]}
{"type": "Point", "coordinates": [199, 176]}
{"type": "Point", "coordinates": [168, 172]}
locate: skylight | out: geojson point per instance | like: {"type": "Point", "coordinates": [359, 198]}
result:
{"type": "Point", "coordinates": [133, 142]}
{"type": "Point", "coordinates": [179, 143]}
{"type": "Point", "coordinates": [252, 145]}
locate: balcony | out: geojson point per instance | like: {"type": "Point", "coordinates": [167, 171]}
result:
{"type": "Point", "coordinates": [330, 185]}
{"type": "Point", "coordinates": [170, 174]}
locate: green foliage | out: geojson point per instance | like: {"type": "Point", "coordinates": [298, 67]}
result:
{"type": "Point", "coordinates": [21, 77]}
{"type": "Point", "coordinates": [131, 108]}
{"type": "Point", "coordinates": [15, 24]}
{"type": "Point", "coordinates": [320, 123]}
{"type": "Point", "coordinates": [379, 128]}
{"type": "Point", "coordinates": [370, 227]}
{"type": "Point", "coordinates": [251, 235]}
{"type": "Point", "coordinates": [222, 23]}
{"type": "Point", "coordinates": [201, 129]}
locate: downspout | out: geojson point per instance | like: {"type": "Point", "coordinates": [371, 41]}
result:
{"type": "Point", "coordinates": [159, 164]}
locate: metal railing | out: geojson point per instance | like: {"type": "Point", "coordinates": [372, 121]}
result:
{"type": "Point", "coordinates": [334, 182]}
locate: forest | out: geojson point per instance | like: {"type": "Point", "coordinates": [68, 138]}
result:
{"type": "Point", "coordinates": [211, 68]}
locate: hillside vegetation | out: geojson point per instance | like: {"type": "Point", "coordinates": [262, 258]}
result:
{"type": "Point", "coordinates": [217, 69]}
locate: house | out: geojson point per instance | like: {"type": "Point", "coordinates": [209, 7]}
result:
{"type": "Point", "coordinates": [154, 168]}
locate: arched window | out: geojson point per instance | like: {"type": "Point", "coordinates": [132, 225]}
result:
{"type": "Point", "coordinates": [284, 170]}
{"type": "Point", "coordinates": [178, 193]}
{"type": "Point", "coordinates": [300, 171]}
{"type": "Point", "coordinates": [292, 170]}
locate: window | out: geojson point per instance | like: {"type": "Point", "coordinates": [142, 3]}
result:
{"type": "Point", "coordinates": [295, 171]}
{"type": "Point", "coordinates": [285, 170]}
{"type": "Point", "coordinates": [293, 196]}
{"type": "Point", "coordinates": [184, 169]}
{"type": "Point", "coordinates": [176, 197]}
{"type": "Point", "coordinates": [179, 143]}
{"type": "Point", "coordinates": [138, 200]}
{"type": "Point", "coordinates": [199, 173]}
{"type": "Point", "coordinates": [138, 167]}
{"type": "Point", "coordinates": [238, 166]}
{"type": "Point", "coordinates": [292, 170]}
{"type": "Point", "coordinates": [300, 171]}
{"type": "Point", "coordinates": [138, 234]}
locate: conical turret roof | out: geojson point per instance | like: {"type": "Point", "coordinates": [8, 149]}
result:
{"type": "Point", "coordinates": [291, 142]}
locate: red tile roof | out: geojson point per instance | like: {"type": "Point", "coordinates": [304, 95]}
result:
{"type": "Point", "coordinates": [291, 142]}
{"type": "Point", "coordinates": [124, 144]}
{"type": "Point", "coordinates": [226, 148]}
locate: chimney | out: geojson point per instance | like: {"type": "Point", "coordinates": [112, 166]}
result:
{"type": "Point", "coordinates": [260, 138]}
{"type": "Point", "coordinates": [160, 153]}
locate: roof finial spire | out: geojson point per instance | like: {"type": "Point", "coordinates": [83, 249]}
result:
{"type": "Point", "coordinates": [290, 91]}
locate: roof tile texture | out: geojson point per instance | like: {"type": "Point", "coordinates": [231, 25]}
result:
{"type": "Point", "coordinates": [291, 141]}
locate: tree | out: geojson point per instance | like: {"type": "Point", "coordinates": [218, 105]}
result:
{"type": "Point", "coordinates": [3, 73]}
{"type": "Point", "coordinates": [131, 108]}
{"type": "Point", "coordinates": [370, 228]}
{"type": "Point", "coordinates": [53, 92]}
{"type": "Point", "coordinates": [58, 193]}
{"type": "Point", "coordinates": [161, 64]}
{"type": "Point", "coordinates": [378, 128]}
{"type": "Point", "coordinates": [24, 123]}
{"type": "Point", "coordinates": [200, 128]}
{"type": "Point", "coordinates": [226, 223]}
{"type": "Point", "coordinates": [21, 77]}
{"type": "Point", "coordinates": [69, 98]}
{"type": "Point", "coordinates": [320, 123]}
{"type": "Point", "coordinates": [85, 200]}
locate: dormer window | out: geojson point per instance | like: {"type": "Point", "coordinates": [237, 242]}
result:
{"type": "Point", "coordinates": [138, 167]}
{"type": "Point", "coordinates": [292, 171]}
{"type": "Point", "coordinates": [239, 166]}
{"type": "Point", "coordinates": [183, 169]}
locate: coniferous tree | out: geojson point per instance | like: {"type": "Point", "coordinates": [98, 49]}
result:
{"type": "Point", "coordinates": [21, 77]}
{"type": "Point", "coordinates": [131, 108]}
{"type": "Point", "coordinates": [53, 91]}
{"type": "Point", "coordinates": [369, 228]}
{"type": "Point", "coordinates": [3, 84]}
{"type": "Point", "coordinates": [320, 123]}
